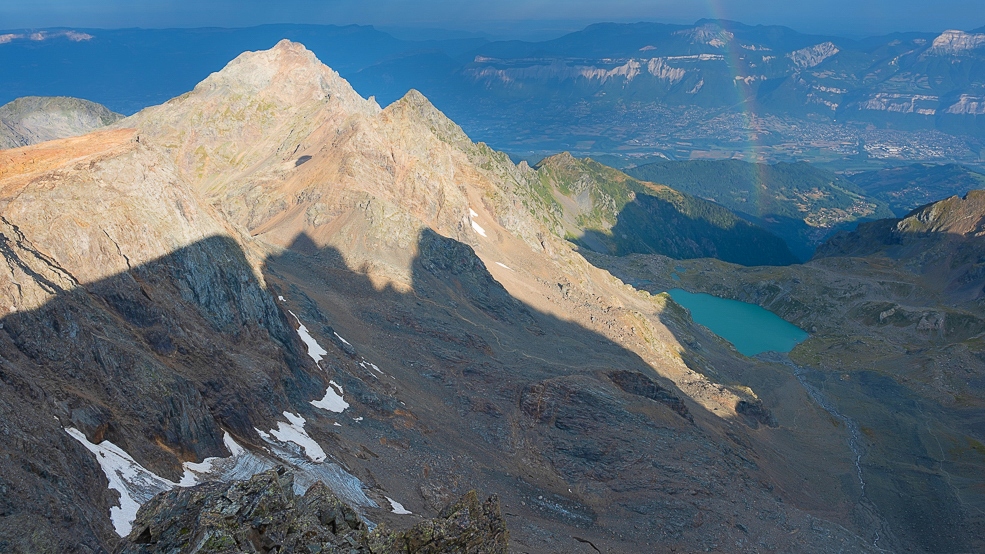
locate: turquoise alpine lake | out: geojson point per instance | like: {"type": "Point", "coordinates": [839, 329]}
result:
{"type": "Point", "coordinates": [750, 328]}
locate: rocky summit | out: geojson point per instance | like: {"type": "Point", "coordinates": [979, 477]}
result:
{"type": "Point", "coordinates": [271, 271]}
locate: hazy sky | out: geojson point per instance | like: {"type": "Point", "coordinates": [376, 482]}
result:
{"type": "Point", "coordinates": [497, 16]}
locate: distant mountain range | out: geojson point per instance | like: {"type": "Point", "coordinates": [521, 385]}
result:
{"type": "Point", "coordinates": [718, 87]}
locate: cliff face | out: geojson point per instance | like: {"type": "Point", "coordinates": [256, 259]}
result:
{"type": "Point", "coordinates": [176, 290]}
{"type": "Point", "coordinates": [34, 119]}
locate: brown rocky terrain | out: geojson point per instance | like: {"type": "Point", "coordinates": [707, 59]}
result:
{"type": "Point", "coordinates": [178, 286]}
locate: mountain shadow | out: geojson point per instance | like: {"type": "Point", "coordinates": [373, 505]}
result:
{"type": "Point", "coordinates": [606, 210]}
{"type": "Point", "coordinates": [160, 360]}
{"type": "Point", "coordinates": [799, 202]}
{"type": "Point", "coordinates": [654, 225]}
{"type": "Point", "coordinates": [573, 431]}
{"type": "Point", "coordinates": [452, 385]}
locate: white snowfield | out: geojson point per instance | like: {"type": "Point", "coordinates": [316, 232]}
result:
{"type": "Point", "coordinates": [398, 508]}
{"type": "Point", "coordinates": [314, 349]}
{"type": "Point", "coordinates": [293, 431]}
{"type": "Point", "coordinates": [333, 401]}
{"type": "Point", "coordinates": [475, 226]}
{"type": "Point", "coordinates": [137, 484]}
{"type": "Point", "coordinates": [364, 364]}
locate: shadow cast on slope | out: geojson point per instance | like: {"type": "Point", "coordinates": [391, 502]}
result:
{"type": "Point", "coordinates": [164, 358]}
{"type": "Point", "coordinates": [653, 225]}
{"type": "Point", "coordinates": [160, 360]}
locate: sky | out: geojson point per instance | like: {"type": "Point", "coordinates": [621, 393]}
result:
{"type": "Point", "coordinates": [499, 18]}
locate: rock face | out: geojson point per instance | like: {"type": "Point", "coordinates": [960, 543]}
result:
{"type": "Point", "coordinates": [188, 276]}
{"type": "Point", "coordinates": [264, 515]}
{"type": "Point", "coordinates": [34, 119]}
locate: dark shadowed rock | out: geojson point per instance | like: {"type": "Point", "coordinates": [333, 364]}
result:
{"type": "Point", "coordinates": [754, 413]}
{"type": "Point", "coordinates": [636, 383]}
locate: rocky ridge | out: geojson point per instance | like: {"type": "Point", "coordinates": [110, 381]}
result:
{"type": "Point", "coordinates": [263, 514]}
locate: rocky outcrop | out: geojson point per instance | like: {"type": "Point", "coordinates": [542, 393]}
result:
{"type": "Point", "coordinates": [34, 119]}
{"type": "Point", "coordinates": [263, 514]}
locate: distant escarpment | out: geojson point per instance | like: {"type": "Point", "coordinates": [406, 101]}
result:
{"type": "Point", "coordinates": [34, 119]}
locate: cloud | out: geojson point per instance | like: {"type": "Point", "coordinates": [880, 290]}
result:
{"type": "Point", "coordinates": [74, 36]}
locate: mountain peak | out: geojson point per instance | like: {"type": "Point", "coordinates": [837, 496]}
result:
{"type": "Point", "coordinates": [418, 106]}
{"type": "Point", "coordinates": [288, 71]}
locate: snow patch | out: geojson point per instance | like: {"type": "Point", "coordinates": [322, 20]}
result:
{"type": "Point", "coordinates": [281, 298]}
{"type": "Point", "coordinates": [338, 336]}
{"type": "Point", "coordinates": [502, 265]}
{"type": "Point", "coordinates": [478, 229]}
{"type": "Point", "coordinates": [293, 431]}
{"type": "Point", "coordinates": [333, 401]}
{"type": "Point", "coordinates": [397, 507]}
{"type": "Point", "coordinates": [472, 213]}
{"type": "Point", "coordinates": [314, 349]}
{"type": "Point", "coordinates": [365, 363]}
{"type": "Point", "coordinates": [232, 446]}
{"type": "Point", "coordinates": [135, 484]}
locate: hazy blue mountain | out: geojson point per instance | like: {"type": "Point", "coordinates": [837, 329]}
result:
{"type": "Point", "coordinates": [716, 85]}
{"type": "Point", "coordinates": [33, 119]}
{"type": "Point", "coordinates": [908, 187]}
